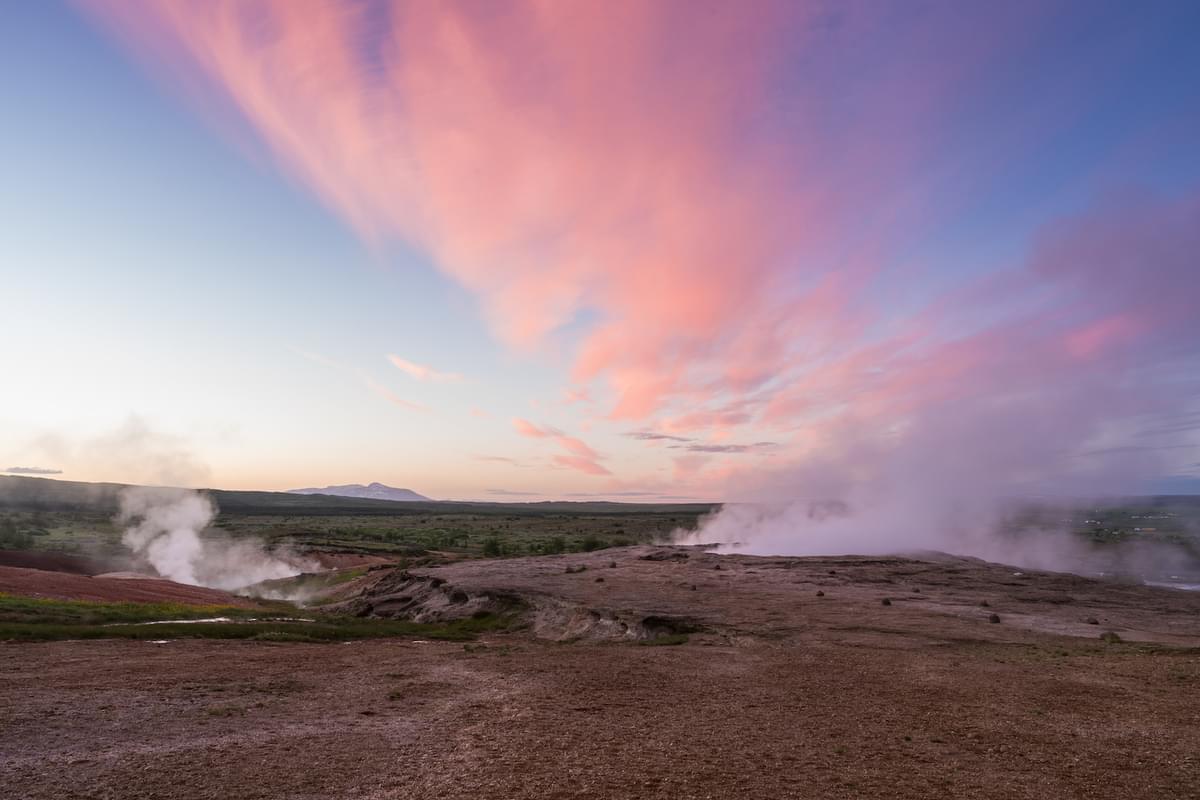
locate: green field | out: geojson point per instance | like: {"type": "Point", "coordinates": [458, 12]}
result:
{"type": "Point", "coordinates": [78, 518]}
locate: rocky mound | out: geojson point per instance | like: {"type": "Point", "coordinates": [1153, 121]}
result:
{"type": "Point", "coordinates": [641, 593]}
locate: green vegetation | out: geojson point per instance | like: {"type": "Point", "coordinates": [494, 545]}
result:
{"type": "Point", "coordinates": [305, 585]}
{"type": "Point", "coordinates": [30, 619]}
{"type": "Point", "coordinates": [32, 610]}
{"type": "Point", "coordinates": [405, 536]}
{"type": "Point", "coordinates": [666, 641]}
{"type": "Point", "coordinates": [1167, 519]}
{"type": "Point", "coordinates": [68, 517]}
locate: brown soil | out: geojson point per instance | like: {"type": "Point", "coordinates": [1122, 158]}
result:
{"type": "Point", "coordinates": [65, 586]}
{"type": "Point", "coordinates": [53, 561]}
{"type": "Point", "coordinates": [783, 694]}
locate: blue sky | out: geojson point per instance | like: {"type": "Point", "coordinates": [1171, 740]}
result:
{"type": "Point", "coordinates": [162, 275]}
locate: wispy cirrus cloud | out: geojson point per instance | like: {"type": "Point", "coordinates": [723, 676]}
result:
{"type": "Point", "coordinates": [393, 398]}
{"type": "Point", "coordinates": [33, 471]}
{"type": "Point", "coordinates": [580, 456]}
{"type": "Point", "coordinates": [512, 462]}
{"type": "Point", "coordinates": [362, 376]}
{"type": "Point", "coordinates": [727, 448]}
{"type": "Point", "coordinates": [655, 436]}
{"type": "Point", "coordinates": [422, 372]}
{"type": "Point", "coordinates": [583, 464]}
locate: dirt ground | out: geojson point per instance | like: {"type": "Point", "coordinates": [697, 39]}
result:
{"type": "Point", "coordinates": [783, 694]}
{"type": "Point", "coordinates": [68, 586]}
{"type": "Point", "coordinates": [52, 561]}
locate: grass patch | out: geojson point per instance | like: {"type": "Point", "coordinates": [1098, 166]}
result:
{"type": "Point", "coordinates": [31, 619]}
{"type": "Point", "coordinates": [15, 609]}
{"type": "Point", "coordinates": [666, 641]}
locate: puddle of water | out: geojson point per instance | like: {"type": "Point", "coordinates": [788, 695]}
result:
{"type": "Point", "coordinates": [1190, 587]}
{"type": "Point", "coordinates": [215, 619]}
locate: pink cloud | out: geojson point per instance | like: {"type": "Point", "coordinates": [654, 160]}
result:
{"type": "Point", "coordinates": [373, 385]}
{"type": "Point", "coordinates": [582, 464]}
{"type": "Point", "coordinates": [612, 162]}
{"type": "Point", "coordinates": [527, 428]}
{"type": "Point", "coordinates": [582, 457]}
{"type": "Point", "coordinates": [392, 397]}
{"type": "Point", "coordinates": [422, 372]}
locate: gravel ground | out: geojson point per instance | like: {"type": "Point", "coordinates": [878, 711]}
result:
{"type": "Point", "coordinates": [786, 695]}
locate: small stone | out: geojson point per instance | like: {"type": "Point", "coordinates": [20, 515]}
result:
{"type": "Point", "coordinates": [820, 594]}
{"type": "Point", "coordinates": [1093, 621]}
{"type": "Point", "coordinates": [916, 590]}
{"type": "Point", "coordinates": [599, 580]}
{"type": "Point", "coordinates": [994, 618]}
{"type": "Point", "coordinates": [885, 601]}
{"type": "Point", "coordinates": [984, 603]}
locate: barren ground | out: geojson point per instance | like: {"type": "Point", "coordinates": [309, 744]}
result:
{"type": "Point", "coordinates": [782, 694]}
{"type": "Point", "coordinates": [67, 586]}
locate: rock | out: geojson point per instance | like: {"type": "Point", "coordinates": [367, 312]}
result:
{"type": "Point", "coordinates": [1092, 621]}
{"type": "Point", "coordinates": [994, 618]}
{"type": "Point", "coordinates": [885, 601]}
{"type": "Point", "coordinates": [820, 594]}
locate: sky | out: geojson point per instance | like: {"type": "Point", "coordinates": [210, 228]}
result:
{"type": "Point", "coordinates": [638, 251]}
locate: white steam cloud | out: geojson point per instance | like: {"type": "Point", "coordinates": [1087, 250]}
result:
{"type": "Point", "coordinates": [1073, 377]}
{"type": "Point", "coordinates": [164, 527]}
{"type": "Point", "coordinates": [976, 479]}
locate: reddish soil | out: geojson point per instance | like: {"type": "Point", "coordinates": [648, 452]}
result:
{"type": "Point", "coordinates": [65, 586]}
{"type": "Point", "coordinates": [52, 561]}
{"type": "Point", "coordinates": [784, 694]}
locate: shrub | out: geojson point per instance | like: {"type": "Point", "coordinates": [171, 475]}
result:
{"type": "Point", "coordinates": [590, 543]}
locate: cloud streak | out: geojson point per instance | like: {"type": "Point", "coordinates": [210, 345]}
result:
{"type": "Point", "coordinates": [374, 386]}
{"type": "Point", "coordinates": [579, 455]}
{"type": "Point", "coordinates": [422, 372]}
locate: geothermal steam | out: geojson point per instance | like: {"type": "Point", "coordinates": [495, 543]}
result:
{"type": "Point", "coordinates": [164, 527]}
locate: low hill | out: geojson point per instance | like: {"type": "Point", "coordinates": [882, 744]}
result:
{"type": "Point", "coordinates": [372, 491]}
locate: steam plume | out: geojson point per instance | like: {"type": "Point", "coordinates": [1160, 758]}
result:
{"type": "Point", "coordinates": [164, 527]}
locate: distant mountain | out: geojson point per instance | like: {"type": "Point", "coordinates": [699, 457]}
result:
{"type": "Point", "coordinates": [374, 491]}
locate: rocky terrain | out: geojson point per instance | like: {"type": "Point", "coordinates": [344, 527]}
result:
{"type": "Point", "coordinates": [644, 672]}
